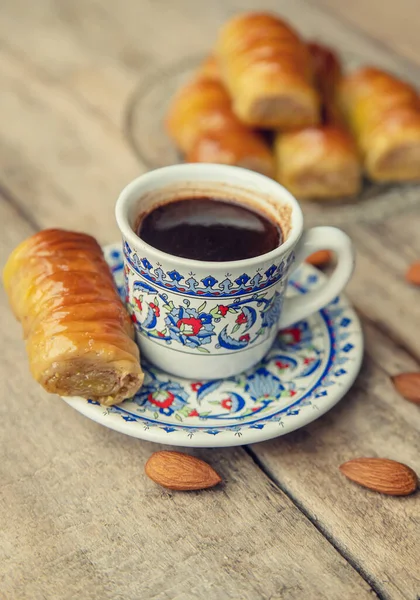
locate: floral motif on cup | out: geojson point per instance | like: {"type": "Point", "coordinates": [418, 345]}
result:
{"type": "Point", "coordinates": [272, 310]}
{"type": "Point", "coordinates": [202, 324]}
{"type": "Point", "coordinates": [267, 311]}
{"type": "Point", "coordinates": [189, 327]}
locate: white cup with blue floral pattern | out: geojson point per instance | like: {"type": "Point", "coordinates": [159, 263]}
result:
{"type": "Point", "coordinates": [205, 320]}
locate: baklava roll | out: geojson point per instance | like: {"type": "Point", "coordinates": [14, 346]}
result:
{"type": "Point", "coordinates": [384, 115]}
{"type": "Point", "coordinates": [200, 107]}
{"type": "Point", "coordinates": [204, 127]}
{"type": "Point", "coordinates": [79, 337]}
{"type": "Point", "coordinates": [236, 146]}
{"type": "Point", "coordinates": [320, 162]}
{"type": "Point", "coordinates": [209, 69]}
{"type": "Point", "coordinates": [266, 68]}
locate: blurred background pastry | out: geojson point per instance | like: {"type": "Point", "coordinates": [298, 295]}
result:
{"type": "Point", "coordinates": [384, 115]}
{"type": "Point", "coordinates": [320, 162]}
{"type": "Point", "coordinates": [204, 127]}
{"type": "Point", "coordinates": [268, 101]}
{"type": "Point", "coordinates": [266, 68]}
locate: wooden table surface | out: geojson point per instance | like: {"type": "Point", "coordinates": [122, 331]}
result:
{"type": "Point", "coordinates": [79, 520]}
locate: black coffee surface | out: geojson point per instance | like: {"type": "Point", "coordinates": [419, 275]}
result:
{"type": "Point", "coordinates": [209, 228]}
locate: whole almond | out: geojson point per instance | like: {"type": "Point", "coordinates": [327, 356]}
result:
{"type": "Point", "coordinates": [178, 471]}
{"type": "Point", "coordinates": [320, 258]}
{"type": "Point", "coordinates": [381, 475]}
{"type": "Point", "coordinates": [413, 273]}
{"type": "Point", "coordinates": [408, 385]}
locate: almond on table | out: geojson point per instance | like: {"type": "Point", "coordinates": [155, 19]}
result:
{"type": "Point", "coordinates": [381, 475]}
{"type": "Point", "coordinates": [408, 385]}
{"type": "Point", "coordinates": [179, 471]}
{"type": "Point", "coordinates": [413, 273]}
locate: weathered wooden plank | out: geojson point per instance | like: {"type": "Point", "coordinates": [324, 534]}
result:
{"type": "Point", "coordinates": [379, 287]}
{"type": "Point", "coordinates": [63, 162]}
{"type": "Point", "coordinates": [81, 520]}
{"type": "Point", "coordinates": [72, 34]}
{"type": "Point", "coordinates": [394, 24]}
{"type": "Point", "coordinates": [78, 41]}
{"type": "Point", "coordinates": [379, 534]}
{"type": "Point", "coordinates": [312, 21]}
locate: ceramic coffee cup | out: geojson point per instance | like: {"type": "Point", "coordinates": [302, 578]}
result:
{"type": "Point", "coordinates": [205, 320]}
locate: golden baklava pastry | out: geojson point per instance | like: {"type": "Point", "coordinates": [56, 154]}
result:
{"type": "Point", "coordinates": [203, 125]}
{"type": "Point", "coordinates": [79, 337]}
{"type": "Point", "coordinates": [384, 115]}
{"type": "Point", "coordinates": [266, 68]}
{"type": "Point", "coordinates": [209, 69]}
{"type": "Point", "coordinates": [320, 162]}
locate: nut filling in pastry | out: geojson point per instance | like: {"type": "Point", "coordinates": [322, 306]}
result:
{"type": "Point", "coordinates": [100, 384]}
{"type": "Point", "coordinates": [401, 163]}
{"type": "Point", "coordinates": [264, 110]}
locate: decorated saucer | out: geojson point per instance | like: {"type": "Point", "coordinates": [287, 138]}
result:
{"type": "Point", "coordinates": [310, 367]}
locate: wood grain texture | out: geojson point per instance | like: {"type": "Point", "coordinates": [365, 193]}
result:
{"type": "Point", "coordinates": [379, 288]}
{"type": "Point", "coordinates": [394, 24]}
{"type": "Point", "coordinates": [377, 533]}
{"type": "Point", "coordinates": [80, 519]}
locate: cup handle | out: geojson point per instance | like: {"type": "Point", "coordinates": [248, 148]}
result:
{"type": "Point", "coordinates": [320, 238]}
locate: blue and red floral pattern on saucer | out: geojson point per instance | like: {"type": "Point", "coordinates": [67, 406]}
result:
{"type": "Point", "coordinates": [308, 370]}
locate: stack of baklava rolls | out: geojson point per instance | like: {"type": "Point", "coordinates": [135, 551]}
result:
{"type": "Point", "coordinates": [328, 128]}
{"type": "Point", "coordinates": [205, 128]}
